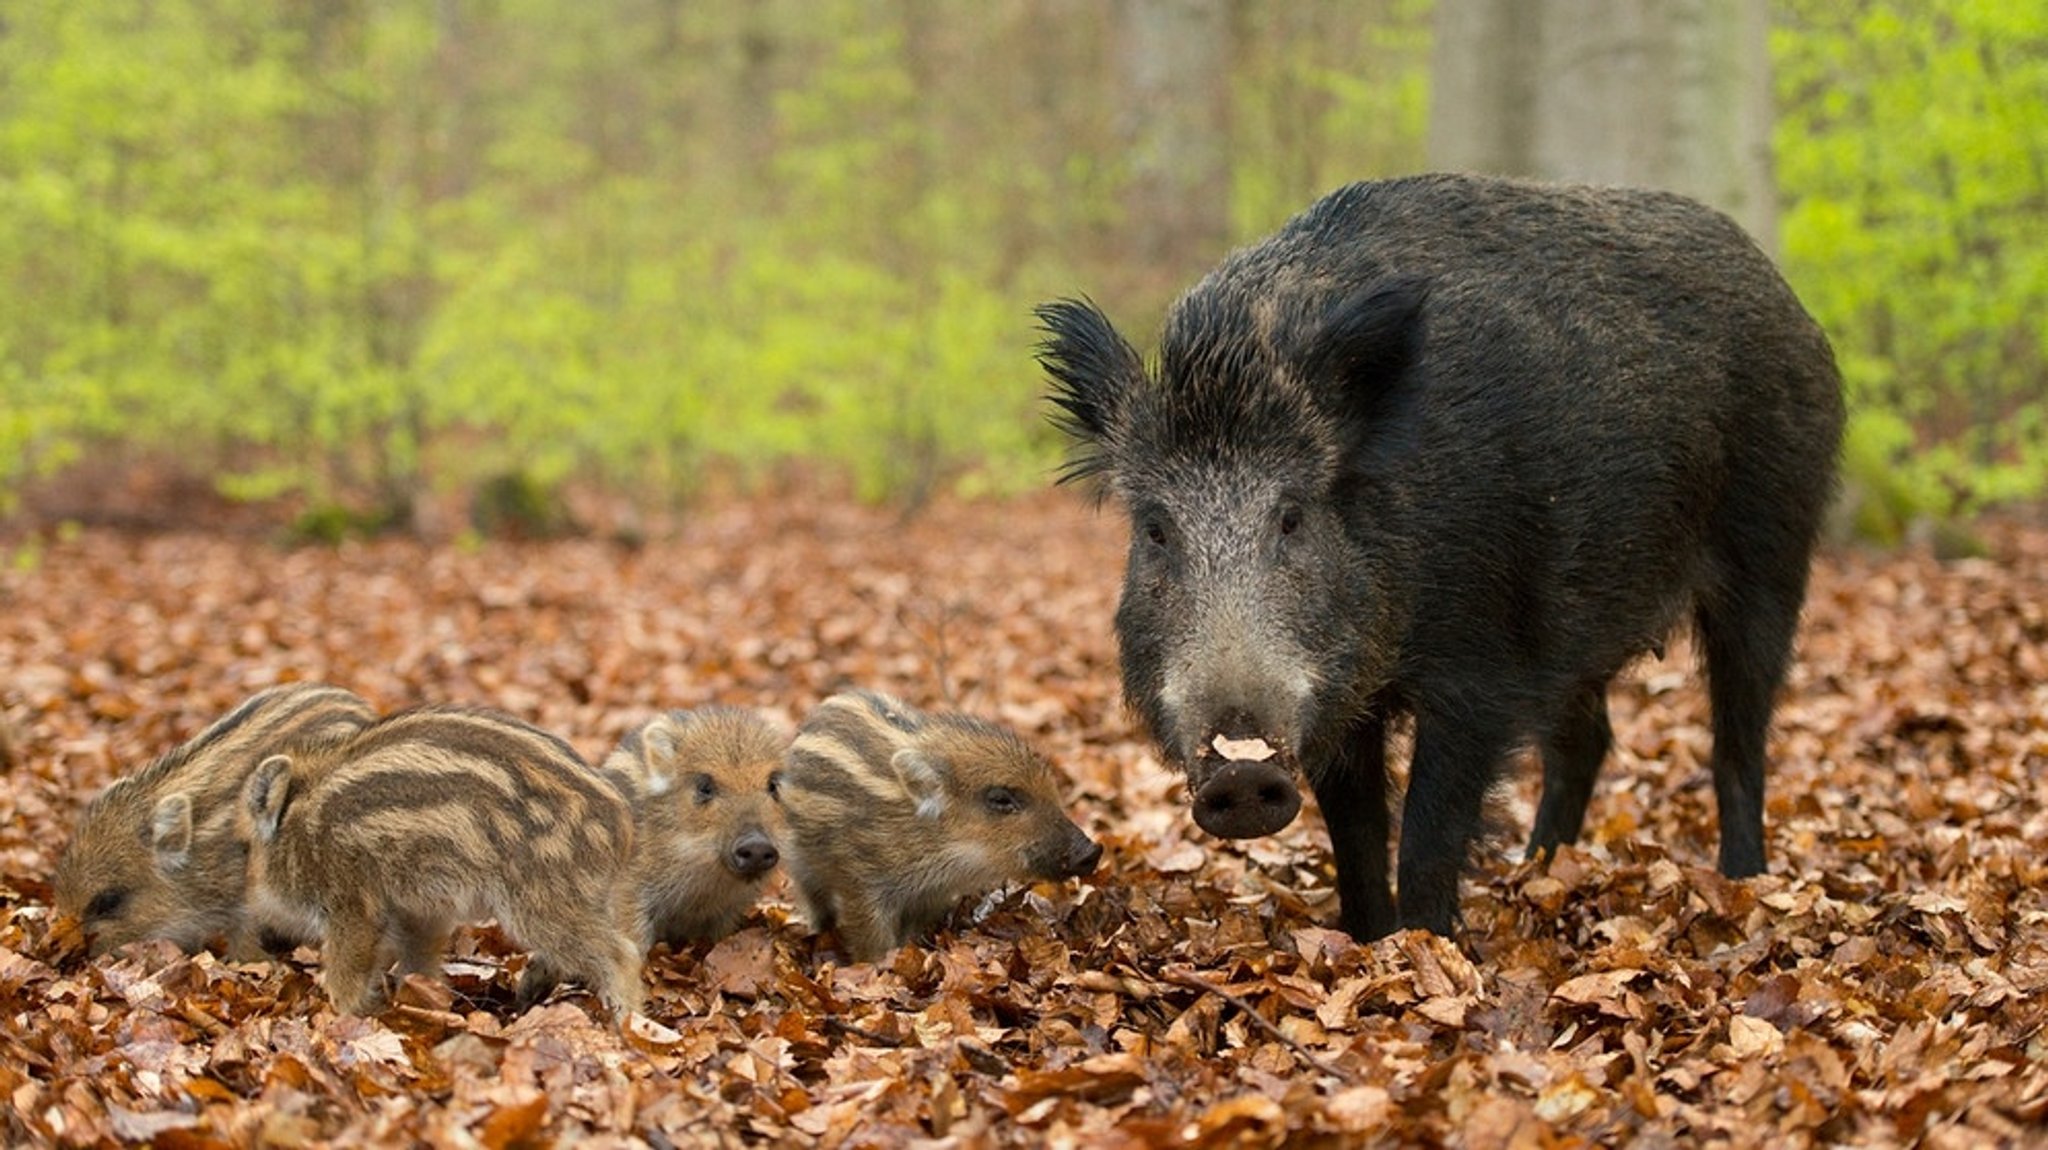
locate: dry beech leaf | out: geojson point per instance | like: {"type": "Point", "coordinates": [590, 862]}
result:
{"type": "Point", "coordinates": [516, 1117]}
{"type": "Point", "coordinates": [1243, 750]}
{"type": "Point", "coordinates": [1753, 1037]}
{"type": "Point", "coordinates": [1182, 857]}
{"type": "Point", "coordinates": [1595, 989]}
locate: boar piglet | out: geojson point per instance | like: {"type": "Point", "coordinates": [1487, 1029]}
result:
{"type": "Point", "coordinates": [380, 845]}
{"type": "Point", "coordinates": [705, 820]}
{"type": "Point", "coordinates": [895, 815]}
{"type": "Point", "coordinates": [1456, 448]}
{"type": "Point", "coordinates": [156, 855]}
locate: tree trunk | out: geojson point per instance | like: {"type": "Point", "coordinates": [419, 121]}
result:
{"type": "Point", "coordinates": [1175, 57]}
{"type": "Point", "coordinates": [1674, 95]}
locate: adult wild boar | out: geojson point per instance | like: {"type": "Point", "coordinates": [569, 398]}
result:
{"type": "Point", "coordinates": [1461, 448]}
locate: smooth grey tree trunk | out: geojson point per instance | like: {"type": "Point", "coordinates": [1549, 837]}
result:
{"type": "Point", "coordinates": [1175, 60]}
{"type": "Point", "coordinates": [1672, 94]}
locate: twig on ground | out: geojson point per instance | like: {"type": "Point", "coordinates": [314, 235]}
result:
{"type": "Point", "coordinates": [1193, 981]}
{"type": "Point", "coordinates": [844, 1027]}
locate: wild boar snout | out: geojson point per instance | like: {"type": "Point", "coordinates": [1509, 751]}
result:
{"type": "Point", "coordinates": [752, 854]}
{"type": "Point", "coordinates": [1072, 854]}
{"type": "Point", "coordinates": [1244, 800]}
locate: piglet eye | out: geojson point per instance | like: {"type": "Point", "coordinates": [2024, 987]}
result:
{"type": "Point", "coordinates": [706, 788]}
{"type": "Point", "coordinates": [105, 904]}
{"type": "Point", "coordinates": [1290, 520]}
{"type": "Point", "coordinates": [775, 784]}
{"type": "Point", "coordinates": [1002, 801]}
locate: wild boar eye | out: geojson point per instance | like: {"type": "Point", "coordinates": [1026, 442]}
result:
{"type": "Point", "coordinates": [707, 788]}
{"type": "Point", "coordinates": [775, 784]}
{"type": "Point", "coordinates": [1002, 801]}
{"type": "Point", "coordinates": [106, 904]}
{"type": "Point", "coordinates": [1290, 519]}
{"type": "Point", "coordinates": [1155, 533]}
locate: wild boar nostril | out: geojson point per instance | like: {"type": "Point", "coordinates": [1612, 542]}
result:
{"type": "Point", "coordinates": [753, 855]}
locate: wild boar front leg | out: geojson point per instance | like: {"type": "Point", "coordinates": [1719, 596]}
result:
{"type": "Point", "coordinates": [418, 940]}
{"type": "Point", "coordinates": [866, 932]}
{"type": "Point", "coordinates": [348, 963]}
{"type": "Point", "coordinates": [1352, 791]}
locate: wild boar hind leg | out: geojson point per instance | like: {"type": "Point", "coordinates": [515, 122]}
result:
{"type": "Point", "coordinates": [1747, 633]}
{"type": "Point", "coordinates": [619, 983]}
{"type": "Point", "coordinates": [589, 948]}
{"type": "Point", "coordinates": [536, 982]}
{"type": "Point", "coordinates": [1571, 760]}
{"type": "Point", "coordinates": [1352, 792]}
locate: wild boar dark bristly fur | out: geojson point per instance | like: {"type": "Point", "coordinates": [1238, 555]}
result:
{"type": "Point", "coordinates": [379, 845]}
{"type": "Point", "coordinates": [896, 814]}
{"type": "Point", "coordinates": [155, 855]}
{"type": "Point", "coordinates": [1462, 448]}
{"type": "Point", "coordinates": [706, 821]}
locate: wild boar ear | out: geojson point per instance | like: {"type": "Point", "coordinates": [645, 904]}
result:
{"type": "Point", "coordinates": [1370, 345]}
{"type": "Point", "coordinates": [266, 793]}
{"type": "Point", "coordinates": [1093, 370]}
{"type": "Point", "coordinates": [170, 832]}
{"type": "Point", "coordinates": [658, 753]}
{"type": "Point", "coordinates": [925, 778]}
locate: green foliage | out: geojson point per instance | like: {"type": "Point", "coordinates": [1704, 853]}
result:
{"type": "Point", "coordinates": [346, 251]}
{"type": "Point", "coordinates": [1913, 156]}
{"type": "Point", "coordinates": [352, 252]}
{"type": "Point", "coordinates": [516, 505]}
{"type": "Point", "coordinates": [165, 200]}
{"type": "Point", "coordinates": [334, 523]}
{"type": "Point", "coordinates": [1327, 94]}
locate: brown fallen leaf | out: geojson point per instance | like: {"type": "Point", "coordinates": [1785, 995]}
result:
{"type": "Point", "coordinates": [1179, 857]}
{"type": "Point", "coordinates": [1243, 750]}
{"type": "Point", "coordinates": [1447, 1011]}
{"type": "Point", "coordinates": [741, 964]}
{"type": "Point", "coordinates": [1753, 1037]}
{"type": "Point", "coordinates": [516, 1117]}
{"type": "Point", "coordinates": [1360, 1109]}
{"type": "Point", "coordinates": [1097, 1079]}
{"type": "Point", "coordinates": [146, 1126]}
{"type": "Point", "coordinates": [1595, 989]}
{"type": "Point", "coordinates": [1248, 1119]}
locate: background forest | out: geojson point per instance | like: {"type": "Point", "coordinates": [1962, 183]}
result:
{"type": "Point", "coordinates": [724, 291]}
{"type": "Point", "coordinates": [358, 253]}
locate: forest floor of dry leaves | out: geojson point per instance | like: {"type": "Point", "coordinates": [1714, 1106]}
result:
{"type": "Point", "coordinates": [1883, 985]}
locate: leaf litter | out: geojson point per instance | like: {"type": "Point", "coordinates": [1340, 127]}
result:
{"type": "Point", "coordinates": [1883, 985]}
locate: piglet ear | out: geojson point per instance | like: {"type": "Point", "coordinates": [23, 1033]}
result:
{"type": "Point", "coordinates": [1093, 372]}
{"type": "Point", "coordinates": [170, 832]}
{"type": "Point", "coordinates": [265, 794]}
{"type": "Point", "coordinates": [1369, 345]}
{"type": "Point", "coordinates": [658, 747]}
{"type": "Point", "coordinates": [924, 777]}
